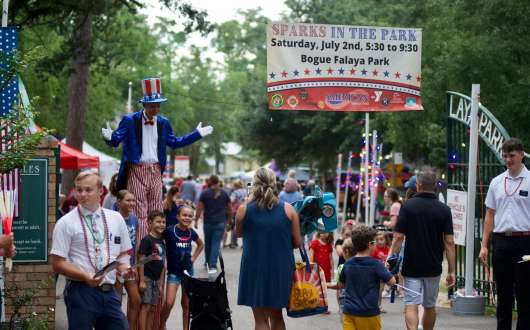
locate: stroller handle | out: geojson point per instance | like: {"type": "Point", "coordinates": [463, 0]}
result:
{"type": "Point", "coordinates": [221, 261]}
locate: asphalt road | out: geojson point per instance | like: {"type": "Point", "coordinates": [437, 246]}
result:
{"type": "Point", "coordinates": [243, 320]}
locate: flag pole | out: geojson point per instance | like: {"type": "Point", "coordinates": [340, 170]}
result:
{"type": "Point", "coordinates": [129, 99]}
{"type": "Point", "coordinates": [5, 10]}
{"type": "Point", "coordinates": [373, 196]}
{"type": "Point", "coordinates": [339, 170]}
{"type": "Point", "coordinates": [346, 189]}
{"type": "Point", "coordinates": [471, 190]}
{"type": "Point", "coordinates": [366, 161]}
{"type": "Point", "coordinates": [360, 186]}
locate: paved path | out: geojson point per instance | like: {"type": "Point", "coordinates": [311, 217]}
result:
{"type": "Point", "coordinates": [243, 320]}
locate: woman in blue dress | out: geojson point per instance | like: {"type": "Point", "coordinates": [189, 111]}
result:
{"type": "Point", "coordinates": [270, 231]}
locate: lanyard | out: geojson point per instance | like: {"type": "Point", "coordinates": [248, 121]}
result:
{"type": "Point", "coordinates": [96, 246]}
{"type": "Point", "coordinates": [516, 189]}
{"type": "Point", "coordinates": [183, 239]}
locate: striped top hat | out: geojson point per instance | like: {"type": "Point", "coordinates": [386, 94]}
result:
{"type": "Point", "coordinates": [152, 91]}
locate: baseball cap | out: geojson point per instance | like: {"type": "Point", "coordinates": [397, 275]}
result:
{"type": "Point", "coordinates": [411, 183]}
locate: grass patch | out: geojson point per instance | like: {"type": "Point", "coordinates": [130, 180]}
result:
{"type": "Point", "coordinates": [490, 311]}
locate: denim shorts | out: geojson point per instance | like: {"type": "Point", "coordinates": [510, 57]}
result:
{"type": "Point", "coordinates": [177, 278]}
{"type": "Point", "coordinates": [151, 294]}
{"type": "Point", "coordinates": [426, 288]}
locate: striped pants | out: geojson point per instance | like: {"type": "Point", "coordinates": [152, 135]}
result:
{"type": "Point", "coordinates": [145, 183]}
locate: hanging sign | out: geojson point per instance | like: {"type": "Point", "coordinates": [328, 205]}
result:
{"type": "Point", "coordinates": [321, 67]}
{"type": "Point", "coordinates": [457, 202]}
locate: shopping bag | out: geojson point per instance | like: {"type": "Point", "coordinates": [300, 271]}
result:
{"type": "Point", "coordinates": [308, 291]}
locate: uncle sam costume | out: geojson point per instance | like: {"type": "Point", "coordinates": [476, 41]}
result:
{"type": "Point", "coordinates": [144, 143]}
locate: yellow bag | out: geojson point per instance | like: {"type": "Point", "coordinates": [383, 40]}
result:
{"type": "Point", "coordinates": [308, 291]}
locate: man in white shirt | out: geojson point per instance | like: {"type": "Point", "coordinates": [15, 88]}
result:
{"type": "Point", "coordinates": [187, 190]}
{"type": "Point", "coordinates": [507, 224]}
{"type": "Point", "coordinates": [85, 240]}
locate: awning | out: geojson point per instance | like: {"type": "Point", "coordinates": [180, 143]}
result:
{"type": "Point", "coordinates": [73, 159]}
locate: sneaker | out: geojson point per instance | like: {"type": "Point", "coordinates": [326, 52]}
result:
{"type": "Point", "coordinates": [212, 274]}
{"type": "Point", "coordinates": [386, 294]}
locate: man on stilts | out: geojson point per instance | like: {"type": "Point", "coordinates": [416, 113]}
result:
{"type": "Point", "coordinates": [145, 135]}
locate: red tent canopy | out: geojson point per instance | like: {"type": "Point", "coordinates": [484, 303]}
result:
{"type": "Point", "coordinates": [73, 159]}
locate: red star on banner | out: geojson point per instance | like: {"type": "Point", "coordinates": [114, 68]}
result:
{"type": "Point", "coordinates": [418, 78]}
{"type": "Point", "coordinates": [375, 72]}
{"type": "Point", "coordinates": [307, 71]}
{"type": "Point", "coordinates": [330, 71]}
{"type": "Point", "coordinates": [284, 74]}
{"type": "Point", "coordinates": [397, 75]}
{"type": "Point", "coordinates": [352, 72]}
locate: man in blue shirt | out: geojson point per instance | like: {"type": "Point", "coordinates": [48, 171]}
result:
{"type": "Point", "coordinates": [187, 189]}
{"type": "Point", "coordinates": [215, 204]}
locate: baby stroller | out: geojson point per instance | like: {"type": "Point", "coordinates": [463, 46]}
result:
{"type": "Point", "coordinates": [209, 309]}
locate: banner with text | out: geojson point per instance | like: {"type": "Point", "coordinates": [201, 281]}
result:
{"type": "Point", "coordinates": [457, 202]}
{"type": "Point", "coordinates": [322, 67]}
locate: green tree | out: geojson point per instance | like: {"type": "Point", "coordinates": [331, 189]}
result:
{"type": "Point", "coordinates": [82, 22]}
{"type": "Point", "coordinates": [462, 44]}
{"type": "Point", "coordinates": [290, 137]}
{"type": "Point", "coordinates": [208, 102]}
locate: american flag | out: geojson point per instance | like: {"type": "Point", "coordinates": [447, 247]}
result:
{"type": "Point", "coordinates": [8, 44]}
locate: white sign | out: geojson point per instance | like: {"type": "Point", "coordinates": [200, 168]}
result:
{"type": "Point", "coordinates": [457, 202]}
{"type": "Point", "coordinates": [398, 158]}
{"type": "Point", "coordinates": [321, 67]}
{"type": "Point", "coordinates": [182, 166]}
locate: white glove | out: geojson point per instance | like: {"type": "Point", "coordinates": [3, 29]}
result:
{"type": "Point", "coordinates": [203, 131]}
{"type": "Point", "coordinates": [107, 132]}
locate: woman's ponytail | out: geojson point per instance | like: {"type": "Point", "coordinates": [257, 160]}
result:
{"type": "Point", "coordinates": [264, 188]}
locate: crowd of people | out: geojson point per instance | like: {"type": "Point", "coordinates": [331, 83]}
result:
{"type": "Point", "coordinates": [423, 221]}
{"type": "Point", "coordinates": [153, 244]}
{"type": "Point", "coordinates": [265, 268]}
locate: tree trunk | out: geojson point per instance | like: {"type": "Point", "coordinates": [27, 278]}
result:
{"type": "Point", "coordinates": [78, 90]}
{"type": "Point", "coordinates": [194, 154]}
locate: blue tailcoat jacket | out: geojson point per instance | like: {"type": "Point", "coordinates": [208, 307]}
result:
{"type": "Point", "coordinates": [129, 132]}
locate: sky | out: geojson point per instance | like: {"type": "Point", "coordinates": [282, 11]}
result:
{"type": "Point", "coordinates": [218, 11]}
{"type": "Point", "coordinates": [223, 10]}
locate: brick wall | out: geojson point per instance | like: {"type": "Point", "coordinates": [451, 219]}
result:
{"type": "Point", "coordinates": [31, 275]}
